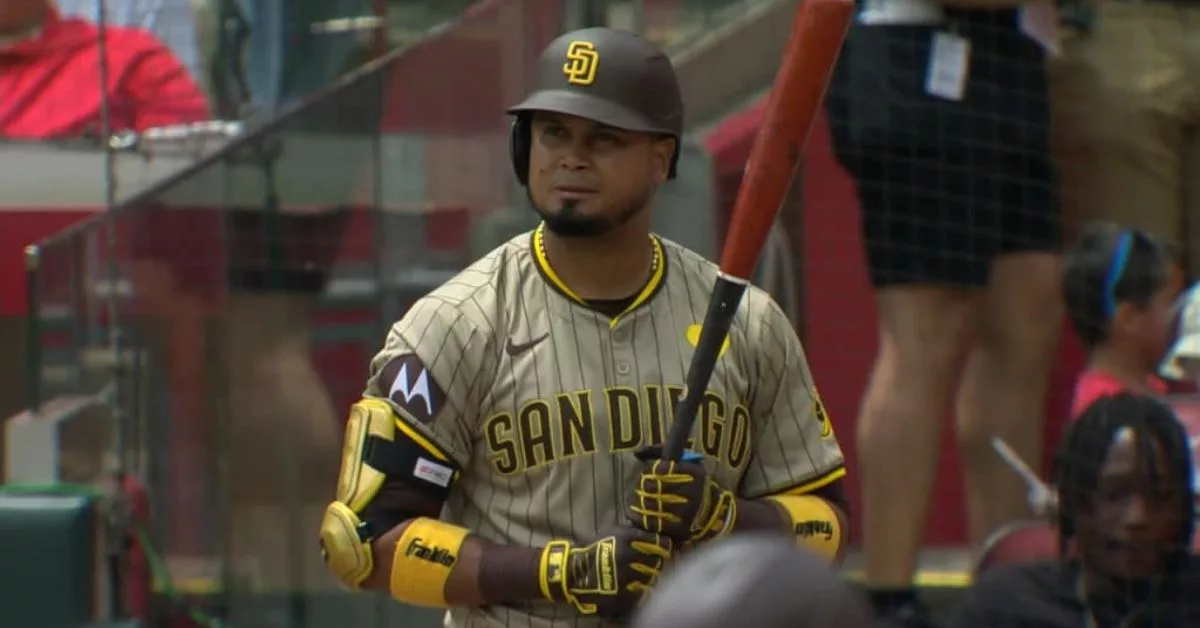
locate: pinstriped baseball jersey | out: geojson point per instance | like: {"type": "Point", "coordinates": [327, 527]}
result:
{"type": "Point", "coordinates": [542, 401]}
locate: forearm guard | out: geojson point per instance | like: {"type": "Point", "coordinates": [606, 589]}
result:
{"type": "Point", "coordinates": [424, 559]}
{"type": "Point", "coordinates": [814, 521]}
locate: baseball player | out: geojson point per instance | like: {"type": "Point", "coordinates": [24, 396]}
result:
{"type": "Point", "coordinates": [502, 461]}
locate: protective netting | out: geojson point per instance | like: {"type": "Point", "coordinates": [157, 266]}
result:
{"type": "Point", "coordinates": [212, 329]}
{"type": "Point", "coordinates": [250, 290]}
{"type": "Point", "coordinates": [943, 130]}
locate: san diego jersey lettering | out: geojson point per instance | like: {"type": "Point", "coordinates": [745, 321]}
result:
{"type": "Point", "coordinates": [543, 401]}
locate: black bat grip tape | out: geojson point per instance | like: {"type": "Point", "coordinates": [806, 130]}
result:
{"type": "Point", "coordinates": [727, 295]}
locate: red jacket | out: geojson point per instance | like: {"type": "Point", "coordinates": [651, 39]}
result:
{"type": "Point", "coordinates": [51, 82]}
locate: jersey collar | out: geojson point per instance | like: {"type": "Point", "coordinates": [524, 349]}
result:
{"type": "Point", "coordinates": [653, 284]}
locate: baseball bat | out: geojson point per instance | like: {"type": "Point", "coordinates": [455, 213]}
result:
{"type": "Point", "coordinates": [812, 49]}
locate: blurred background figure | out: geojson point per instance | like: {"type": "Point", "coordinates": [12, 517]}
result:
{"type": "Point", "coordinates": [940, 114]}
{"type": "Point", "coordinates": [51, 89]}
{"type": "Point", "coordinates": [1120, 287]}
{"type": "Point", "coordinates": [1124, 529]}
{"type": "Point", "coordinates": [284, 425]}
{"type": "Point", "coordinates": [46, 58]}
{"type": "Point", "coordinates": [763, 581]}
{"type": "Point", "coordinates": [1125, 117]}
{"type": "Point", "coordinates": [297, 48]}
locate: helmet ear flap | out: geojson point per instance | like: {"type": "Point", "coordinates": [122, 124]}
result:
{"type": "Point", "coordinates": [518, 148]}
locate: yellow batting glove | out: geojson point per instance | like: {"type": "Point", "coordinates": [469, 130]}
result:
{"type": "Point", "coordinates": [680, 500]}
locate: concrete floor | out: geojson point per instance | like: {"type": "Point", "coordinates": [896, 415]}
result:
{"type": "Point", "coordinates": [936, 568]}
{"type": "Point", "coordinates": [942, 574]}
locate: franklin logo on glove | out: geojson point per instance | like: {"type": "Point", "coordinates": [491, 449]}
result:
{"type": "Point", "coordinates": [440, 555]}
{"type": "Point", "coordinates": [814, 527]}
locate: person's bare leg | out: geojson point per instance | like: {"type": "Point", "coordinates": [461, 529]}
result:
{"type": "Point", "coordinates": [285, 436]}
{"type": "Point", "coordinates": [172, 321]}
{"type": "Point", "coordinates": [1005, 384]}
{"type": "Point", "coordinates": [189, 414]}
{"type": "Point", "coordinates": [922, 346]}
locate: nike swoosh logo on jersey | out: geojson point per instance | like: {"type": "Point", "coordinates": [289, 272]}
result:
{"type": "Point", "coordinates": [514, 349]}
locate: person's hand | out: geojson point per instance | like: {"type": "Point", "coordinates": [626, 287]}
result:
{"type": "Point", "coordinates": [607, 576]}
{"type": "Point", "coordinates": [679, 500]}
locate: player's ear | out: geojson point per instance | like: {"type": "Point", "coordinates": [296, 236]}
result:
{"type": "Point", "coordinates": [663, 150]}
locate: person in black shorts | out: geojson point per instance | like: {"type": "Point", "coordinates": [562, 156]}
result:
{"type": "Point", "coordinates": [1125, 520]}
{"type": "Point", "coordinates": [285, 428]}
{"type": "Point", "coordinates": [940, 115]}
{"type": "Point", "coordinates": [234, 291]}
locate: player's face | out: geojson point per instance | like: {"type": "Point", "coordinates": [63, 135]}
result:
{"type": "Point", "coordinates": [1134, 518]}
{"type": "Point", "coordinates": [587, 179]}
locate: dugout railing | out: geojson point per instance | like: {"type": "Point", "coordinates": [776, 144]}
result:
{"type": "Point", "coordinates": [126, 278]}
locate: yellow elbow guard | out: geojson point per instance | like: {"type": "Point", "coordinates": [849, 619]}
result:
{"type": "Point", "coordinates": [814, 521]}
{"type": "Point", "coordinates": [378, 446]}
{"type": "Point", "coordinates": [425, 555]}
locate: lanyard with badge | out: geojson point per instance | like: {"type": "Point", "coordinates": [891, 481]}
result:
{"type": "Point", "coordinates": [949, 64]}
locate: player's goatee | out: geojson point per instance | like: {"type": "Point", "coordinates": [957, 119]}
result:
{"type": "Point", "coordinates": [568, 222]}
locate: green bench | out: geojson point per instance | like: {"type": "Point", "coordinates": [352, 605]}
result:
{"type": "Point", "coordinates": [51, 552]}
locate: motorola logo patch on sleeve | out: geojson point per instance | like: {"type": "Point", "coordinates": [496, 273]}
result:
{"type": "Point", "coordinates": [411, 387]}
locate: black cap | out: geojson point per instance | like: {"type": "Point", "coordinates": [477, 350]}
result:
{"type": "Point", "coordinates": [610, 76]}
{"type": "Point", "coordinates": [753, 580]}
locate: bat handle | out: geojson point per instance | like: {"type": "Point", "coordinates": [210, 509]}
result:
{"type": "Point", "coordinates": [727, 295]}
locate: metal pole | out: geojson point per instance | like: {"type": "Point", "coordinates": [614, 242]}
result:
{"type": "Point", "coordinates": [110, 203]}
{"type": "Point", "coordinates": [118, 508]}
{"type": "Point", "coordinates": [33, 348]}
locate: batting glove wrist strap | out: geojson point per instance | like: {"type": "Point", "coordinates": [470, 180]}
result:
{"type": "Point", "coordinates": [553, 570]}
{"type": "Point", "coordinates": [724, 517]}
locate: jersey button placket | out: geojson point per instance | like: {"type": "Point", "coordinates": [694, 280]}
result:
{"type": "Point", "coordinates": [622, 351]}
{"type": "Point", "coordinates": [624, 358]}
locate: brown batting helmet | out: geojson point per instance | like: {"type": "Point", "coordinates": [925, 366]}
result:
{"type": "Point", "coordinates": [757, 580]}
{"type": "Point", "coordinates": [610, 76]}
